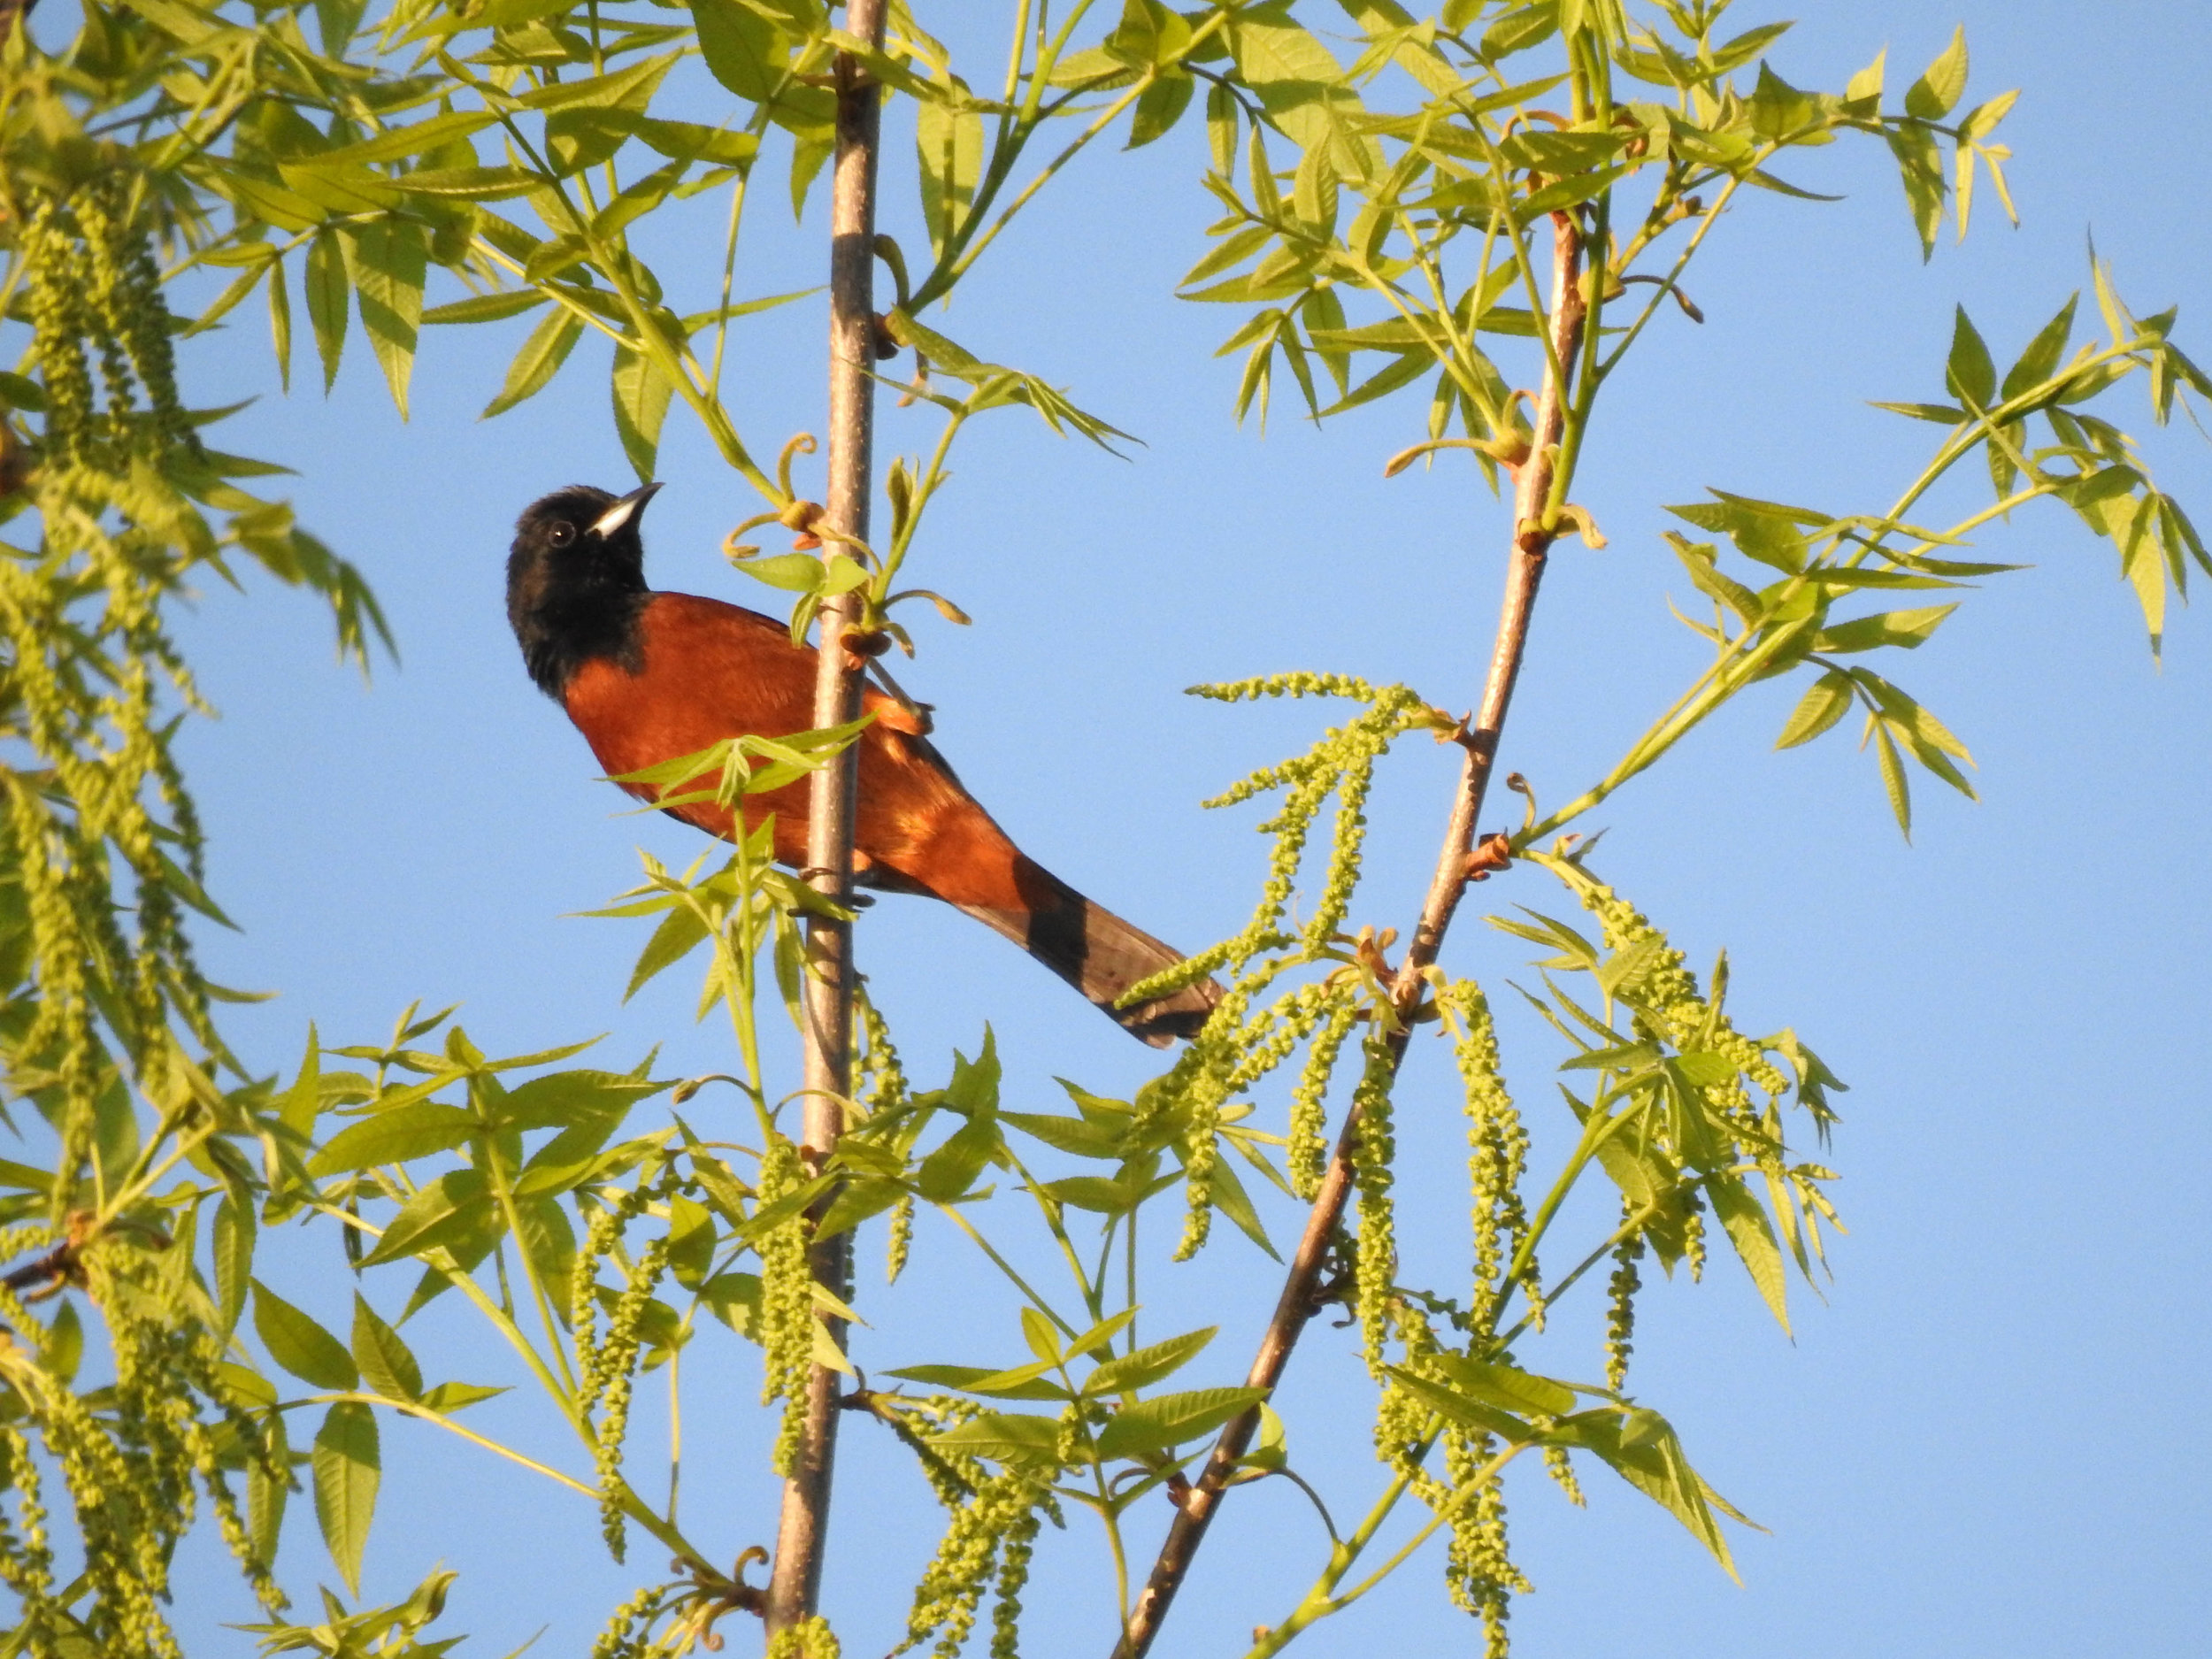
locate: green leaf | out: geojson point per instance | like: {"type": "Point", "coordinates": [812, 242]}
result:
{"type": "Point", "coordinates": [1748, 46]}
{"type": "Point", "coordinates": [1642, 1448]}
{"type": "Point", "coordinates": [1464, 1407]}
{"type": "Point", "coordinates": [1942, 414]}
{"type": "Point", "coordinates": [268, 1490]}
{"type": "Point", "coordinates": [1968, 373]}
{"type": "Point", "coordinates": [1042, 1336]}
{"type": "Point", "coordinates": [1930, 97]}
{"type": "Point", "coordinates": [2040, 361]}
{"type": "Point", "coordinates": [569, 1099]}
{"type": "Point", "coordinates": [1753, 1235]}
{"type": "Point", "coordinates": [388, 1365]}
{"type": "Point", "coordinates": [1004, 1436]}
{"type": "Point", "coordinates": [1267, 1453]}
{"type": "Point", "coordinates": [636, 199]}
{"type": "Point", "coordinates": [232, 1245]}
{"type": "Point", "coordinates": [1506, 1387]}
{"type": "Point", "coordinates": [680, 932]}
{"type": "Point", "coordinates": [1297, 79]}
{"type": "Point", "coordinates": [1128, 1373]}
{"type": "Point", "coordinates": [539, 360]}
{"type": "Point", "coordinates": [64, 1343]}
{"type": "Point", "coordinates": [1920, 168]}
{"type": "Point", "coordinates": [1893, 782]}
{"type": "Point", "coordinates": [1565, 193]}
{"type": "Point", "coordinates": [336, 20]}
{"type": "Point", "coordinates": [1079, 1136]}
{"type": "Point", "coordinates": [1159, 106]}
{"type": "Point", "coordinates": [445, 1211]}
{"type": "Point", "coordinates": [793, 572]}
{"type": "Point", "coordinates": [281, 325]}
{"type": "Point", "coordinates": [1823, 703]}
{"type": "Point", "coordinates": [640, 403]}
{"type": "Point", "coordinates": [1905, 629]}
{"type": "Point", "coordinates": [589, 118]}
{"type": "Point", "coordinates": [348, 1467]}
{"type": "Point", "coordinates": [301, 1345]}
{"type": "Point", "coordinates": [1520, 29]}
{"type": "Point", "coordinates": [734, 1299]}
{"type": "Point", "coordinates": [1221, 127]}
{"type": "Point", "coordinates": [485, 308]}
{"type": "Point", "coordinates": [967, 1378]}
{"type": "Point", "coordinates": [688, 140]}
{"type": "Point", "coordinates": [1155, 1424]}
{"type": "Point", "coordinates": [1227, 1190]}
{"type": "Point", "coordinates": [948, 1172]}
{"type": "Point", "coordinates": [386, 258]}
{"type": "Point", "coordinates": [950, 142]}
{"type": "Point", "coordinates": [471, 184]}
{"type": "Point", "coordinates": [744, 51]}
{"type": "Point", "coordinates": [449, 1397]}
{"type": "Point", "coordinates": [1777, 108]}
{"type": "Point", "coordinates": [548, 1243]}
{"type": "Point", "coordinates": [1867, 84]}
{"type": "Point", "coordinates": [329, 298]}
{"type": "Point", "coordinates": [394, 1137]}
{"type": "Point", "coordinates": [398, 143]}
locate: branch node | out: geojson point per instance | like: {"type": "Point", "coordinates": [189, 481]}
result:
{"type": "Point", "coordinates": [1492, 852]}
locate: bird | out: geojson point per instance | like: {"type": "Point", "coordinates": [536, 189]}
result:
{"type": "Point", "coordinates": [650, 676]}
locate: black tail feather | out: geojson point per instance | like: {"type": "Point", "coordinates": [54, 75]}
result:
{"type": "Point", "coordinates": [1101, 956]}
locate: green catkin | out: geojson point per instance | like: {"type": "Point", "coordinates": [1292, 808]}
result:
{"type": "Point", "coordinates": [882, 1088]}
{"type": "Point", "coordinates": [1309, 1152]}
{"type": "Point", "coordinates": [1202, 1147]}
{"type": "Point", "coordinates": [26, 1558]}
{"type": "Point", "coordinates": [1238, 1046]}
{"type": "Point", "coordinates": [953, 1477]}
{"type": "Point", "coordinates": [625, 1635]}
{"type": "Point", "coordinates": [92, 292]}
{"type": "Point", "coordinates": [134, 1467]}
{"type": "Point", "coordinates": [808, 1638]}
{"type": "Point", "coordinates": [969, 1558]}
{"type": "Point", "coordinates": [1479, 1570]}
{"type": "Point", "coordinates": [1013, 1579]}
{"type": "Point", "coordinates": [1402, 1420]}
{"type": "Point", "coordinates": [1669, 1007]}
{"type": "Point", "coordinates": [618, 1359]}
{"type": "Point", "coordinates": [1559, 1464]}
{"type": "Point", "coordinates": [1374, 1148]}
{"type": "Point", "coordinates": [1620, 1309]}
{"type": "Point", "coordinates": [602, 1234]}
{"type": "Point", "coordinates": [1497, 1153]}
{"type": "Point", "coordinates": [786, 1303]}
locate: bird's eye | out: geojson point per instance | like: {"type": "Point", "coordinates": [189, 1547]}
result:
{"type": "Point", "coordinates": [562, 534]}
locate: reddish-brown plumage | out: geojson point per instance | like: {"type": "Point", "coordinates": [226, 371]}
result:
{"type": "Point", "coordinates": [709, 671]}
{"type": "Point", "coordinates": [650, 677]}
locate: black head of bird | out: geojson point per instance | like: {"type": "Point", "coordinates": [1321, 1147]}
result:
{"type": "Point", "coordinates": [576, 580]}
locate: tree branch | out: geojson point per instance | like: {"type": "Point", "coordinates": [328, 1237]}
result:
{"type": "Point", "coordinates": [802, 1528]}
{"type": "Point", "coordinates": [1531, 547]}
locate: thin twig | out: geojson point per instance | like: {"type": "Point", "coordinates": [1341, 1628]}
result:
{"type": "Point", "coordinates": [803, 1529]}
{"type": "Point", "coordinates": [1531, 547]}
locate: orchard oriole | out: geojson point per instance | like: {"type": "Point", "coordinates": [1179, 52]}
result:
{"type": "Point", "coordinates": [647, 677]}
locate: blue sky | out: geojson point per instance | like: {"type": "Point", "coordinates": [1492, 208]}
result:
{"type": "Point", "coordinates": [1971, 1448]}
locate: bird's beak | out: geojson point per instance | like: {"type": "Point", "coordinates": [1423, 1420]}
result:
{"type": "Point", "coordinates": [623, 510]}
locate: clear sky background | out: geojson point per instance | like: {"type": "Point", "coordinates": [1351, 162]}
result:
{"type": "Point", "coordinates": [1979, 1445]}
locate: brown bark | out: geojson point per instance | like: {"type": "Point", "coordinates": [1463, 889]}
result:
{"type": "Point", "coordinates": [802, 1533]}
